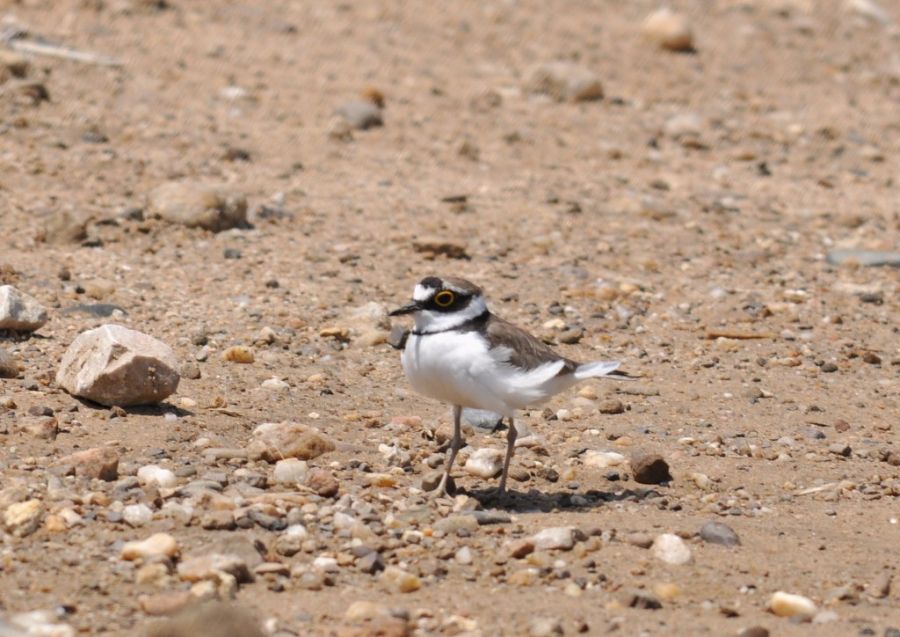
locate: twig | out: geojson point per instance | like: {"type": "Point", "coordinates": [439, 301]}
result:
{"type": "Point", "coordinates": [53, 50]}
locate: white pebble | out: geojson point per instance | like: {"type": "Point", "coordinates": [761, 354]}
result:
{"type": "Point", "coordinates": [558, 537]}
{"type": "Point", "coordinates": [788, 605]}
{"type": "Point", "coordinates": [290, 471]}
{"type": "Point", "coordinates": [137, 514]}
{"type": "Point", "coordinates": [326, 564]}
{"type": "Point", "coordinates": [485, 463]}
{"type": "Point", "coordinates": [671, 549]}
{"type": "Point", "coordinates": [603, 459]}
{"type": "Point", "coordinates": [155, 475]}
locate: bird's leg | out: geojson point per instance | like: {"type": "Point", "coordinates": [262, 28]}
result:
{"type": "Point", "coordinates": [510, 447]}
{"type": "Point", "coordinates": [455, 444]}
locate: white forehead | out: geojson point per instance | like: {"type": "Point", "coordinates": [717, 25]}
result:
{"type": "Point", "coordinates": [423, 293]}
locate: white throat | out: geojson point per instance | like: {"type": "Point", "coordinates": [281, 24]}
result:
{"type": "Point", "coordinates": [429, 321]}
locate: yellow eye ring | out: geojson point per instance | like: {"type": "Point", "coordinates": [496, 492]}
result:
{"type": "Point", "coordinates": [444, 298]}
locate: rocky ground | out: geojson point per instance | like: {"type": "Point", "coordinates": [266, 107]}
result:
{"type": "Point", "coordinates": [253, 184]}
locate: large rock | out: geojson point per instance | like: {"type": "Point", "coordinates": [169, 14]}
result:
{"type": "Point", "coordinates": [114, 365]}
{"type": "Point", "coordinates": [19, 311]}
{"type": "Point", "coordinates": [194, 205]}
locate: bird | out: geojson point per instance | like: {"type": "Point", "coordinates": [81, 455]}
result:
{"type": "Point", "coordinates": [461, 353]}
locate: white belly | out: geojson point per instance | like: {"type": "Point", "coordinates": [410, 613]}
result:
{"type": "Point", "coordinates": [458, 368]}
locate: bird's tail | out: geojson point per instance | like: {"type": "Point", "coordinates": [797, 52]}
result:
{"type": "Point", "coordinates": [596, 369]}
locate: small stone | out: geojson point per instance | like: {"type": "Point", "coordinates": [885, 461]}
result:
{"type": "Point", "coordinates": [210, 619]}
{"type": "Point", "coordinates": [829, 368]}
{"type": "Point", "coordinates": [789, 605]}
{"type": "Point", "coordinates": [23, 518]}
{"type": "Point", "coordinates": [481, 419]}
{"type": "Point", "coordinates": [12, 65]}
{"type": "Point", "coordinates": [754, 631]}
{"type": "Point", "coordinates": [455, 523]}
{"type": "Point", "coordinates": [719, 533]}
{"type": "Point", "coordinates": [671, 549]}
{"type": "Point", "coordinates": [840, 449]}
{"type": "Point", "coordinates": [371, 563]}
{"type": "Point", "coordinates": [191, 371]}
{"type": "Point", "coordinates": [137, 514]}
{"type": "Point", "coordinates": [218, 521]}
{"type": "Point", "coordinates": [8, 366]}
{"type": "Point", "coordinates": [518, 549]}
{"type": "Point", "coordinates": [157, 476]}
{"type": "Point", "coordinates": [640, 540]}
{"type": "Point", "coordinates": [19, 311]}
{"type": "Point", "coordinates": [360, 114]}
{"type": "Point", "coordinates": [641, 600]}
{"type": "Point", "coordinates": [238, 354]}
{"type": "Point", "coordinates": [603, 459]}
{"type": "Point", "coordinates": [432, 247]}
{"type": "Point", "coordinates": [880, 586]}
{"type": "Point", "coordinates": [866, 258]}
{"type": "Point", "coordinates": [212, 207]}
{"type": "Point", "coordinates": [555, 538]}
{"type": "Point", "coordinates": [564, 81]}
{"type": "Point", "coordinates": [545, 627]}
{"type": "Point", "coordinates": [611, 406]}
{"type": "Point", "coordinates": [322, 482]}
{"type": "Point", "coordinates": [432, 479]}
{"type": "Point", "coordinates": [650, 468]}
{"type": "Point", "coordinates": [397, 337]}
{"type": "Point", "coordinates": [464, 555]}
{"type": "Point", "coordinates": [208, 567]}
{"type": "Point", "coordinates": [275, 441]}
{"type": "Point", "coordinates": [400, 580]}
{"type": "Point", "coordinates": [668, 30]}
{"type": "Point", "coordinates": [114, 365]}
{"type": "Point", "coordinates": [99, 462]}
{"type": "Point", "coordinates": [290, 471]}
{"type": "Point", "coordinates": [158, 545]}
{"type": "Point", "coordinates": [485, 463]}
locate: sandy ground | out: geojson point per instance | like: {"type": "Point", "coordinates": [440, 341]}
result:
{"type": "Point", "coordinates": [696, 200]}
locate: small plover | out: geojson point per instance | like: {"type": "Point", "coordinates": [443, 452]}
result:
{"type": "Point", "coordinates": [460, 353]}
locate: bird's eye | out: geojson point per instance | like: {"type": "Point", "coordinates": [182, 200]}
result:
{"type": "Point", "coordinates": [444, 298]}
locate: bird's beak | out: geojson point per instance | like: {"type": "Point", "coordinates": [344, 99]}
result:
{"type": "Point", "coordinates": [409, 308]}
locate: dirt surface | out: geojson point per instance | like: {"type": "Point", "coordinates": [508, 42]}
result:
{"type": "Point", "coordinates": [691, 207]}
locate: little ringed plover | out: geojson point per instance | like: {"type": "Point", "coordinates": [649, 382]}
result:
{"type": "Point", "coordinates": [461, 353]}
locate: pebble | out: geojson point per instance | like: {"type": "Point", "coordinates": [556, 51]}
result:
{"type": "Point", "coordinates": [401, 581]}
{"type": "Point", "coordinates": [115, 365]}
{"type": "Point", "coordinates": [290, 471]}
{"type": "Point", "coordinates": [603, 459]}
{"type": "Point", "coordinates": [137, 514]}
{"type": "Point", "coordinates": [360, 114]}
{"type": "Point", "coordinates": [41, 623]}
{"type": "Point", "coordinates": [880, 586]}
{"type": "Point", "coordinates": [754, 631]}
{"type": "Point", "coordinates": [209, 206]}
{"type": "Point", "coordinates": [455, 523]}
{"type": "Point", "coordinates": [611, 406]}
{"type": "Point", "coordinates": [157, 476]}
{"type": "Point", "coordinates": [650, 468]}
{"type": "Point", "coordinates": [23, 518]}
{"type": "Point", "coordinates": [555, 538]}
{"type": "Point", "coordinates": [19, 311]}
{"type": "Point", "coordinates": [481, 419]}
{"type": "Point", "coordinates": [322, 482]}
{"type": "Point", "coordinates": [485, 463]}
{"type": "Point", "coordinates": [866, 258]}
{"type": "Point", "coordinates": [433, 247]}
{"type": "Point", "coordinates": [100, 462]}
{"type": "Point", "coordinates": [671, 549]}
{"type": "Point", "coordinates": [209, 567]}
{"type": "Point", "coordinates": [209, 619]}
{"type": "Point", "coordinates": [668, 30]}
{"type": "Point", "coordinates": [788, 605]}
{"type": "Point", "coordinates": [275, 441]}
{"type": "Point", "coordinates": [564, 82]}
{"type": "Point", "coordinates": [8, 366]}
{"type": "Point", "coordinates": [545, 627]}
{"type": "Point", "coordinates": [158, 545]}
{"type": "Point", "coordinates": [238, 354]}
{"type": "Point", "coordinates": [641, 600]}
{"type": "Point", "coordinates": [719, 533]}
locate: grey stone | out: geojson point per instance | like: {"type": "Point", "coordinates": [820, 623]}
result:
{"type": "Point", "coordinates": [8, 366]}
{"type": "Point", "coordinates": [867, 258]}
{"type": "Point", "coordinates": [481, 419]}
{"type": "Point", "coordinates": [19, 311]}
{"type": "Point", "coordinates": [564, 81]}
{"type": "Point", "coordinates": [360, 114]}
{"type": "Point", "coordinates": [718, 533]}
{"type": "Point", "coordinates": [115, 365]}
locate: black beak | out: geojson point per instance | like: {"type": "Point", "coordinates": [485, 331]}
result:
{"type": "Point", "coordinates": [409, 308]}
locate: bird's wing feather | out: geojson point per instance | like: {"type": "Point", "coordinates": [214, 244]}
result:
{"type": "Point", "coordinates": [525, 351]}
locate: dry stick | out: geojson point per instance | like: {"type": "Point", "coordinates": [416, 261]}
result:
{"type": "Point", "coordinates": [52, 50]}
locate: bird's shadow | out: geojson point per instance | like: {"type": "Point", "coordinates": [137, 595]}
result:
{"type": "Point", "coordinates": [534, 501]}
{"type": "Point", "coordinates": [160, 409]}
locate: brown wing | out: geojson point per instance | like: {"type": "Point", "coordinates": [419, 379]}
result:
{"type": "Point", "coordinates": [527, 351]}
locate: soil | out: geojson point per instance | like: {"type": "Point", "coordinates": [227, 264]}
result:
{"type": "Point", "coordinates": [680, 225]}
